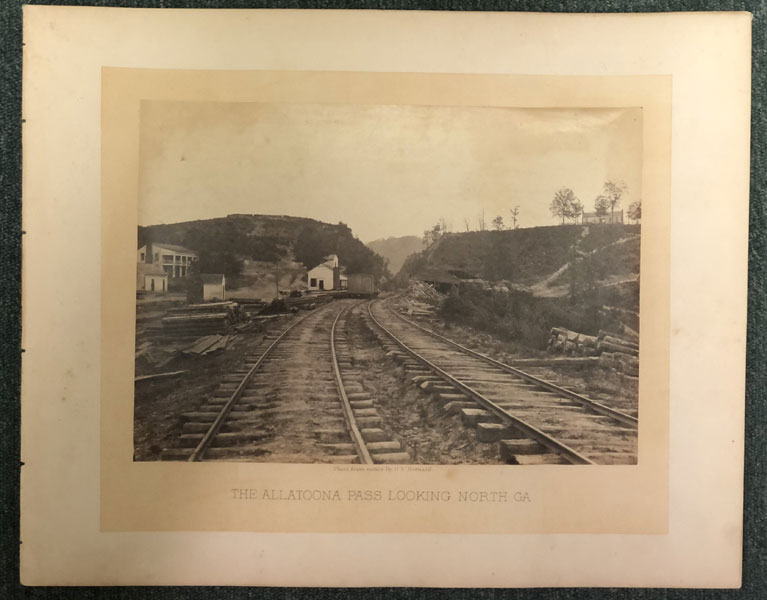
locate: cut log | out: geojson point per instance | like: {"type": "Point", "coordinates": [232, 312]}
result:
{"type": "Point", "coordinates": [620, 342]}
{"type": "Point", "coordinates": [608, 347]}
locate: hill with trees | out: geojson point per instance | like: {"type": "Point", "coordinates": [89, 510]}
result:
{"type": "Point", "coordinates": [224, 244]}
{"type": "Point", "coordinates": [519, 283]}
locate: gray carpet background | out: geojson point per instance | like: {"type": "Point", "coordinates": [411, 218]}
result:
{"type": "Point", "coordinates": [755, 518]}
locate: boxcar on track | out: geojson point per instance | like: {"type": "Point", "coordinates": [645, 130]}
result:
{"type": "Point", "coordinates": [362, 285]}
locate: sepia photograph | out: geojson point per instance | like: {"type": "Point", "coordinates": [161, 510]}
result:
{"type": "Point", "coordinates": [387, 284]}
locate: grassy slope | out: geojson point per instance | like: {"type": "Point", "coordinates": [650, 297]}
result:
{"type": "Point", "coordinates": [584, 278]}
{"type": "Point", "coordinates": [526, 256]}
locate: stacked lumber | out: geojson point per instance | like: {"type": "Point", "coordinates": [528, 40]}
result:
{"type": "Point", "coordinates": [230, 308]}
{"type": "Point", "coordinates": [612, 342]}
{"type": "Point", "coordinates": [418, 309]}
{"type": "Point", "coordinates": [252, 308]}
{"type": "Point", "coordinates": [423, 291]}
{"type": "Point", "coordinates": [308, 302]}
{"type": "Point", "coordinates": [202, 319]}
{"type": "Point", "coordinates": [207, 345]}
{"type": "Point", "coordinates": [196, 324]}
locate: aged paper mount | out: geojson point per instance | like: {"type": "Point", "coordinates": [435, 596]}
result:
{"type": "Point", "coordinates": [176, 496]}
{"type": "Point", "coordinates": [641, 513]}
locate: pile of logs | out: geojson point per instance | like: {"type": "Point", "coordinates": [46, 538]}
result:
{"type": "Point", "coordinates": [615, 351]}
{"type": "Point", "coordinates": [419, 309]}
{"type": "Point", "coordinates": [621, 362]}
{"type": "Point", "coordinates": [202, 319]}
{"type": "Point", "coordinates": [572, 343]}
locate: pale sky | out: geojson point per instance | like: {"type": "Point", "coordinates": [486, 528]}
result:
{"type": "Point", "coordinates": [383, 170]}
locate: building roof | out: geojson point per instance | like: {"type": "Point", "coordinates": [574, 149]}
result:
{"type": "Point", "coordinates": [330, 261]}
{"type": "Point", "coordinates": [173, 248]}
{"type": "Point", "coordinates": [322, 265]}
{"type": "Point", "coordinates": [436, 276]}
{"type": "Point", "coordinates": [150, 269]}
{"type": "Point", "coordinates": [212, 278]}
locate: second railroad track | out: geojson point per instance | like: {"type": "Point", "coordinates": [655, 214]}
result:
{"type": "Point", "coordinates": [299, 399]}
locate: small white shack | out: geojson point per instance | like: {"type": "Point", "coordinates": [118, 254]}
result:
{"type": "Point", "coordinates": [327, 275]}
{"type": "Point", "coordinates": [213, 286]}
{"type": "Point", "coordinates": [151, 278]}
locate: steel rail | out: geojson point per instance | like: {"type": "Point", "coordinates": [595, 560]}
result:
{"type": "Point", "coordinates": [351, 422]}
{"type": "Point", "coordinates": [606, 411]}
{"type": "Point", "coordinates": [530, 431]}
{"type": "Point", "coordinates": [199, 451]}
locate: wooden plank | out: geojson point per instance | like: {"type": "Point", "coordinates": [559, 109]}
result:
{"type": "Point", "coordinates": [157, 376]}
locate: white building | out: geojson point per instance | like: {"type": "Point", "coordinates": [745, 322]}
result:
{"type": "Point", "coordinates": [213, 286]}
{"type": "Point", "coordinates": [174, 260]}
{"type": "Point", "coordinates": [151, 278]}
{"type": "Point", "coordinates": [327, 275]}
{"type": "Point", "coordinates": [594, 218]}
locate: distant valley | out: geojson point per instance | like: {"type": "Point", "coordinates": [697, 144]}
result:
{"type": "Point", "coordinates": [397, 249]}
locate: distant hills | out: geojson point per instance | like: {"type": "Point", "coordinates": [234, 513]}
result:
{"type": "Point", "coordinates": [397, 249]}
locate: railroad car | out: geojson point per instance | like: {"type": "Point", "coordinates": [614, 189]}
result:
{"type": "Point", "coordinates": [362, 285]}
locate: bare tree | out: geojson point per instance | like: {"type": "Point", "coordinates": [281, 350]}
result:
{"type": "Point", "coordinates": [466, 223]}
{"type": "Point", "coordinates": [498, 223]}
{"type": "Point", "coordinates": [561, 205]}
{"type": "Point", "coordinates": [514, 216]}
{"type": "Point", "coordinates": [481, 220]}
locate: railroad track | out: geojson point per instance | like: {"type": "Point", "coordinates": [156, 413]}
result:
{"type": "Point", "coordinates": [300, 399]}
{"type": "Point", "coordinates": [533, 420]}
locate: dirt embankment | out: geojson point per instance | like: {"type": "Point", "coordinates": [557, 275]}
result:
{"type": "Point", "coordinates": [600, 384]}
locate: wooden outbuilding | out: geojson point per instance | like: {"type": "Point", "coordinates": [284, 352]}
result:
{"type": "Point", "coordinates": [213, 286]}
{"type": "Point", "coordinates": [151, 278]}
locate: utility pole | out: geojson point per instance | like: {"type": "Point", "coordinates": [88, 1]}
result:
{"type": "Point", "coordinates": [277, 283]}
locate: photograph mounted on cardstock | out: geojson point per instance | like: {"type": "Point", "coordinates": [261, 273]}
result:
{"type": "Point", "coordinates": [371, 285]}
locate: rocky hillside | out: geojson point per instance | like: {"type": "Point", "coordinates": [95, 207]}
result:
{"type": "Point", "coordinates": [397, 249]}
{"type": "Point", "coordinates": [548, 261]}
